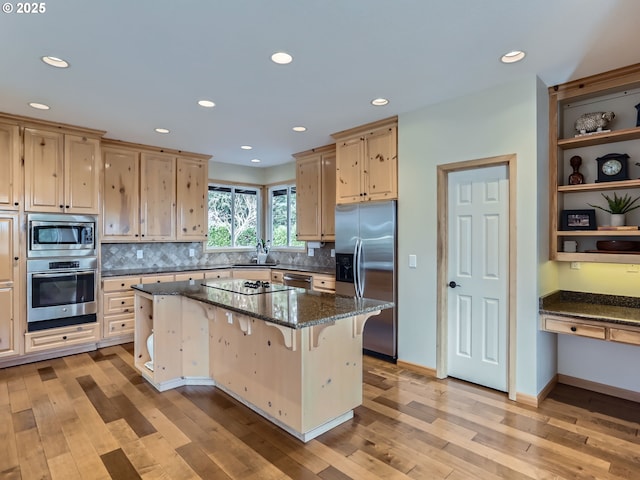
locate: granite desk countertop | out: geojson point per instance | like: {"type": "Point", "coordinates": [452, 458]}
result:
{"type": "Point", "coordinates": [611, 309]}
{"type": "Point", "coordinates": [121, 272]}
{"type": "Point", "coordinates": [291, 307]}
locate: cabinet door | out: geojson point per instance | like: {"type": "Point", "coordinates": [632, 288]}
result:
{"type": "Point", "coordinates": [10, 180]}
{"type": "Point", "coordinates": [44, 171]}
{"type": "Point", "coordinates": [328, 208]}
{"type": "Point", "coordinates": [9, 292]}
{"type": "Point", "coordinates": [81, 174]}
{"type": "Point", "coordinates": [349, 158]}
{"type": "Point", "coordinates": [121, 195]}
{"type": "Point", "coordinates": [157, 197]}
{"type": "Point", "coordinates": [380, 175]}
{"type": "Point", "coordinates": [191, 199]}
{"type": "Point", "coordinates": [308, 191]}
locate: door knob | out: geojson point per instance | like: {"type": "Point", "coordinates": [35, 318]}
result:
{"type": "Point", "coordinates": [453, 284]}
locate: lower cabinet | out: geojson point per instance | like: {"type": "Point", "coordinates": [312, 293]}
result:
{"type": "Point", "coordinates": [117, 307]}
{"type": "Point", "coordinates": [214, 274]}
{"type": "Point", "coordinates": [591, 329]}
{"type": "Point", "coordinates": [63, 337]}
{"type": "Point", "coordinates": [263, 274]}
{"type": "Point", "coordinates": [324, 283]}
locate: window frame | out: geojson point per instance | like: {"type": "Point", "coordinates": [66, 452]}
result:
{"type": "Point", "coordinates": [269, 216]}
{"type": "Point", "coordinates": [259, 214]}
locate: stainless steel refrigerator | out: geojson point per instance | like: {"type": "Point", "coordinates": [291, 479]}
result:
{"type": "Point", "coordinates": [366, 267]}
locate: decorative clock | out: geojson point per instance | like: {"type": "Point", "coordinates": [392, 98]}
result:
{"type": "Point", "coordinates": [612, 167]}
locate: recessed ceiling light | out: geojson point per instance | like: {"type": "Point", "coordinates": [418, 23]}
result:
{"type": "Point", "coordinates": [206, 103]}
{"type": "Point", "coordinates": [39, 106]}
{"type": "Point", "coordinates": [300, 129]}
{"type": "Point", "coordinates": [255, 160]}
{"type": "Point", "coordinates": [246, 147]}
{"type": "Point", "coordinates": [281, 58]}
{"type": "Point", "coordinates": [161, 130]}
{"type": "Point", "coordinates": [379, 102]}
{"type": "Point", "coordinates": [512, 57]}
{"type": "Point", "coordinates": [55, 62]}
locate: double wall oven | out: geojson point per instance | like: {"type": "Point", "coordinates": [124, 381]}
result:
{"type": "Point", "coordinates": [61, 270]}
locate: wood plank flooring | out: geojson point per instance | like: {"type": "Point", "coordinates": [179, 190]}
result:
{"type": "Point", "coordinates": [91, 416]}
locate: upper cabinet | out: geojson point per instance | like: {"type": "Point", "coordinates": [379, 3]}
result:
{"type": "Point", "coordinates": [593, 153]}
{"type": "Point", "coordinates": [367, 162]}
{"type": "Point", "coordinates": [152, 195]}
{"type": "Point", "coordinates": [316, 194]}
{"type": "Point", "coordinates": [62, 172]}
{"type": "Point", "coordinates": [11, 179]}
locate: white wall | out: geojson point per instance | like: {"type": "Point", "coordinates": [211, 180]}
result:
{"type": "Point", "coordinates": [498, 121]}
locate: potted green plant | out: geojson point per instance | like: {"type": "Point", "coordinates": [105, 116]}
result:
{"type": "Point", "coordinates": [618, 206]}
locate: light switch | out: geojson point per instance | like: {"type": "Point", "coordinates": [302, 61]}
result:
{"type": "Point", "coordinates": [310, 252]}
{"type": "Point", "coordinates": [139, 253]}
{"type": "Point", "coordinates": [413, 261]}
{"type": "Point", "coordinates": [192, 252]}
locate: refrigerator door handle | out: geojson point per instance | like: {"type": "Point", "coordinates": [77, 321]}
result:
{"type": "Point", "coordinates": [359, 268]}
{"type": "Point", "coordinates": [355, 268]}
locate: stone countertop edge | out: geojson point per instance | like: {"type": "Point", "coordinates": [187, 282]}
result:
{"type": "Point", "coordinates": [196, 292]}
{"type": "Point", "coordinates": [610, 309]}
{"type": "Point", "coordinates": [123, 272]}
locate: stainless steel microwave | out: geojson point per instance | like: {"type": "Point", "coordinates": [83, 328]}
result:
{"type": "Point", "coordinates": [59, 235]}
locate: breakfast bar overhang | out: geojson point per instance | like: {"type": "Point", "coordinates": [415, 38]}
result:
{"type": "Point", "coordinates": [292, 355]}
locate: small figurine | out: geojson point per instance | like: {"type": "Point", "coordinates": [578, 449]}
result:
{"type": "Point", "coordinates": [594, 122]}
{"type": "Point", "coordinates": [576, 178]}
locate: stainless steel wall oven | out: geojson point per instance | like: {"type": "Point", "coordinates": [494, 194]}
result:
{"type": "Point", "coordinates": [61, 271]}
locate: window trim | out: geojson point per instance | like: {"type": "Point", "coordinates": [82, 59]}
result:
{"type": "Point", "coordinates": [269, 220]}
{"type": "Point", "coordinates": [259, 220]}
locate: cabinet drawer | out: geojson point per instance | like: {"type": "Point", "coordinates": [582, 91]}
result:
{"type": "Point", "coordinates": [218, 274]}
{"type": "Point", "coordinates": [324, 283]}
{"type": "Point", "coordinates": [574, 328]}
{"type": "Point", "coordinates": [180, 277]}
{"type": "Point", "coordinates": [118, 325]}
{"type": "Point", "coordinates": [252, 274]}
{"type": "Point", "coordinates": [118, 302]}
{"type": "Point", "coordinates": [117, 284]}
{"type": "Point", "coordinates": [157, 278]}
{"type": "Point", "coordinates": [61, 337]}
{"type": "Point", "coordinates": [625, 336]}
{"type": "Point", "coordinates": [277, 277]}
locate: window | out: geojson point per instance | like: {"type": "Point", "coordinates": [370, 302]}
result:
{"type": "Point", "coordinates": [282, 203]}
{"type": "Point", "coordinates": [234, 216]}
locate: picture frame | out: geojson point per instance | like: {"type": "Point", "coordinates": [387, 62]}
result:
{"type": "Point", "coordinates": [578, 219]}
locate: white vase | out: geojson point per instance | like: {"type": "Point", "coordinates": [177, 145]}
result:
{"type": "Point", "coordinates": [617, 219]}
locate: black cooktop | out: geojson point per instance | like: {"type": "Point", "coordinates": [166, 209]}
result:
{"type": "Point", "coordinates": [247, 287]}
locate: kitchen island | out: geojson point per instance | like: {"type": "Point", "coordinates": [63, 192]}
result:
{"type": "Point", "coordinates": [292, 355]}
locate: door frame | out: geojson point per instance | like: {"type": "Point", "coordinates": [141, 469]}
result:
{"type": "Point", "coordinates": [443, 172]}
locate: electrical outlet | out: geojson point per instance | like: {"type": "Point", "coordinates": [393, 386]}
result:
{"type": "Point", "coordinates": [413, 261]}
{"type": "Point", "coordinates": [310, 252]}
{"type": "Point", "coordinates": [575, 266]}
{"type": "Point", "coordinates": [633, 268]}
{"type": "Point", "coordinates": [333, 252]}
{"type": "Point", "coordinates": [192, 252]}
{"type": "Point", "coordinates": [139, 254]}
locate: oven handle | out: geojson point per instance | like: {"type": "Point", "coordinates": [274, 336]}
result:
{"type": "Point", "coordinates": [49, 275]}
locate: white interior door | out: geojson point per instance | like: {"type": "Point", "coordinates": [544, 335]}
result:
{"type": "Point", "coordinates": [478, 256]}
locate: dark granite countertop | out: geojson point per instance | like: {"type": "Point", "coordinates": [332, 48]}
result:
{"type": "Point", "coordinates": [121, 272]}
{"type": "Point", "coordinates": [291, 307]}
{"type": "Point", "coordinates": [611, 309]}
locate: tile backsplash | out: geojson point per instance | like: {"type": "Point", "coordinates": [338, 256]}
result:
{"type": "Point", "coordinates": [116, 256]}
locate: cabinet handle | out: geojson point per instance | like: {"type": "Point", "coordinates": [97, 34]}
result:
{"type": "Point", "coordinates": [574, 329]}
{"type": "Point", "coordinates": [16, 203]}
{"type": "Point", "coordinates": [122, 284]}
{"type": "Point", "coordinates": [66, 206]}
{"type": "Point", "coordinates": [136, 235]}
{"type": "Point", "coordinates": [16, 258]}
{"type": "Point", "coordinates": [61, 206]}
{"type": "Point", "coordinates": [64, 337]}
{"type": "Point", "coordinates": [122, 303]}
{"type": "Point", "coordinates": [122, 325]}
{"type": "Point", "coordinates": [142, 235]}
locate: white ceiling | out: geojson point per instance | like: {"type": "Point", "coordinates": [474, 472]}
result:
{"type": "Point", "coordinates": [141, 64]}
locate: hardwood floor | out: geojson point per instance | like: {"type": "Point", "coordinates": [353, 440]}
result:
{"type": "Point", "coordinates": [91, 416]}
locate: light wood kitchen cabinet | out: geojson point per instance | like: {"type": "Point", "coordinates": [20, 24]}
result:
{"type": "Point", "coordinates": [117, 307]}
{"type": "Point", "coordinates": [612, 332]}
{"type": "Point", "coordinates": [254, 274]}
{"type": "Point", "coordinates": [186, 276]}
{"type": "Point", "coordinates": [191, 199]}
{"type": "Point", "coordinates": [367, 162]}
{"type": "Point", "coordinates": [277, 276]}
{"type": "Point", "coordinates": [316, 194]}
{"type": "Point", "coordinates": [64, 337]}
{"type": "Point", "coordinates": [216, 274]}
{"type": "Point", "coordinates": [157, 197]}
{"type": "Point", "coordinates": [61, 172]}
{"type": "Point", "coordinates": [11, 179]}
{"type": "Point", "coordinates": [616, 91]}
{"type": "Point", "coordinates": [10, 300]}
{"type": "Point", "coordinates": [121, 194]}
{"type": "Point", "coordinates": [153, 195]}
{"type": "Point", "coordinates": [324, 283]}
